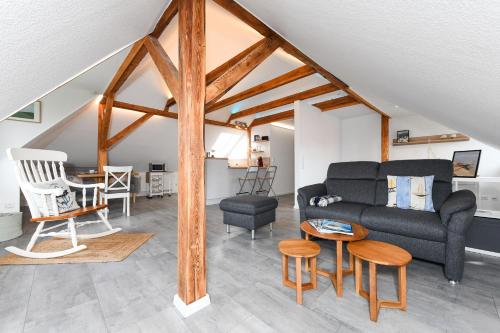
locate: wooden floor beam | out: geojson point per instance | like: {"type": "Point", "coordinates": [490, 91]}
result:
{"type": "Point", "coordinates": [191, 235]}
{"type": "Point", "coordinates": [314, 92]}
{"type": "Point", "coordinates": [279, 81]}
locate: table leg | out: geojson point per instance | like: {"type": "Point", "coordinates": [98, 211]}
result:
{"type": "Point", "coordinates": [313, 272]}
{"type": "Point", "coordinates": [402, 286]}
{"type": "Point", "coordinates": [307, 268]}
{"type": "Point", "coordinates": [373, 292]}
{"type": "Point", "coordinates": [284, 267]}
{"type": "Point", "coordinates": [358, 275]}
{"type": "Point", "coordinates": [338, 277]}
{"type": "Point", "coordinates": [298, 279]}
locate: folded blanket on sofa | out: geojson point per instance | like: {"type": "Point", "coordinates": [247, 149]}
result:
{"type": "Point", "coordinates": [324, 200]}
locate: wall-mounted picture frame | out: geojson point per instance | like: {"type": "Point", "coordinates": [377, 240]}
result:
{"type": "Point", "coordinates": [31, 113]}
{"type": "Point", "coordinates": [466, 163]}
{"type": "Point", "coordinates": [403, 136]}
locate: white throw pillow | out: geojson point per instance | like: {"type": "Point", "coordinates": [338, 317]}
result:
{"type": "Point", "coordinates": [65, 202]}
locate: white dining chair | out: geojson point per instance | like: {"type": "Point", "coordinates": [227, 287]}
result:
{"type": "Point", "coordinates": [117, 186]}
{"type": "Point", "coordinates": [42, 179]}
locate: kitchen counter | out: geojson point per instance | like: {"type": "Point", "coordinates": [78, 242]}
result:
{"type": "Point", "coordinates": [221, 179]}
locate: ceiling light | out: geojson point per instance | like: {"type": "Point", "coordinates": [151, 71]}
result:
{"type": "Point", "coordinates": [240, 124]}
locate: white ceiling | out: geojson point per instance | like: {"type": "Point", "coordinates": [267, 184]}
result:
{"type": "Point", "coordinates": [45, 43]}
{"type": "Point", "coordinates": [436, 58]}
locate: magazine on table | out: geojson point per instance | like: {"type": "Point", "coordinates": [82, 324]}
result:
{"type": "Point", "coordinates": [327, 226]}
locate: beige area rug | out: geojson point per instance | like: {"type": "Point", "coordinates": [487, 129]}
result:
{"type": "Point", "coordinates": [115, 247]}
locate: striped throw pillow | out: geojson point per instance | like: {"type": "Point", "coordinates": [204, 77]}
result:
{"type": "Point", "coordinates": [410, 192]}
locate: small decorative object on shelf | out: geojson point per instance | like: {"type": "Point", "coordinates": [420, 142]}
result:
{"type": "Point", "coordinates": [403, 136]}
{"type": "Point", "coordinates": [256, 137]}
{"type": "Point", "coordinates": [265, 138]}
{"type": "Point", "coordinates": [466, 163]}
{"type": "Point", "coordinates": [260, 162]}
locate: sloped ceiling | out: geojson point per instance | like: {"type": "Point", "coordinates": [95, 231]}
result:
{"type": "Point", "coordinates": [45, 43]}
{"type": "Point", "coordinates": [439, 59]}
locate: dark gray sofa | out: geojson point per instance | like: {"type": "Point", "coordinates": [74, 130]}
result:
{"type": "Point", "coordinates": [437, 237]}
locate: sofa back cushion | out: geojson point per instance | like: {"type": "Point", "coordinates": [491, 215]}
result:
{"type": "Point", "coordinates": [441, 169]}
{"type": "Point", "coordinates": [353, 181]}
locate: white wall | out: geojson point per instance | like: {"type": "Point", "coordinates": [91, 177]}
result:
{"type": "Point", "coordinates": [361, 141]}
{"type": "Point", "coordinates": [317, 143]}
{"type": "Point", "coordinates": [56, 107]}
{"type": "Point", "coordinates": [489, 165]}
{"type": "Point", "coordinates": [282, 155]}
{"type": "Point", "coordinates": [360, 138]}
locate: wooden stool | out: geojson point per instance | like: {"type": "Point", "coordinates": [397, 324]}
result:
{"type": "Point", "coordinates": [299, 248]}
{"type": "Point", "coordinates": [379, 253]}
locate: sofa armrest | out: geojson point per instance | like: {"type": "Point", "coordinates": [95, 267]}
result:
{"type": "Point", "coordinates": [458, 201]}
{"type": "Point", "coordinates": [304, 194]}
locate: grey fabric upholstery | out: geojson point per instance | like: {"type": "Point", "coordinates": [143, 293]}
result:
{"type": "Point", "coordinates": [438, 237]}
{"type": "Point", "coordinates": [305, 193]}
{"type": "Point", "coordinates": [456, 202]}
{"type": "Point", "coordinates": [405, 222]}
{"type": "Point", "coordinates": [248, 204]}
{"type": "Point", "coordinates": [353, 181]}
{"type": "Point", "coordinates": [419, 248]}
{"type": "Point", "coordinates": [249, 211]}
{"type": "Point", "coordinates": [339, 210]}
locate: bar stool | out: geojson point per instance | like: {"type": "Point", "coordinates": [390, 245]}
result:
{"type": "Point", "coordinates": [299, 248]}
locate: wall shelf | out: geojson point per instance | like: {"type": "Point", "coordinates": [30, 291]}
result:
{"type": "Point", "coordinates": [422, 140]}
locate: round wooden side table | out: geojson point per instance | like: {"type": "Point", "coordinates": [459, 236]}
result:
{"type": "Point", "coordinates": [379, 253]}
{"type": "Point", "coordinates": [359, 231]}
{"type": "Point", "coordinates": [299, 248]}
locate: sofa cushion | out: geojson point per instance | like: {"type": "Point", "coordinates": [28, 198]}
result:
{"type": "Point", "coordinates": [441, 169]}
{"type": "Point", "coordinates": [405, 222]}
{"type": "Point", "coordinates": [353, 181]}
{"type": "Point", "coordinates": [350, 212]}
{"type": "Point", "coordinates": [248, 204]}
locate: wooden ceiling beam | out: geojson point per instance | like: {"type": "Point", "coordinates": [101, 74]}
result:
{"type": "Point", "coordinates": [158, 112]}
{"type": "Point", "coordinates": [314, 92]}
{"type": "Point", "coordinates": [138, 52]}
{"type": "Point", "coordinates": [162, 61]}
{"type": "Point", "coordinates": [218, 71]}
{"type": "Point", "coordinates": [127, 130]}
{"type": "Point", "coordinates": [336, 103]}
{"type": "Point", "coordinates": [234, 74]}
{"type": "Point", "coordinates": [272, 118]}
{"type": "Point", "coordinates": [279, 81]}
{"type": "Point", "coordinates": [244, 15]}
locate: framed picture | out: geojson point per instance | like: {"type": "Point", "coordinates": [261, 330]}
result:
{"type": "Point", "coordinates": [31, 113]}
{"type": "Point", "coordinates": [403, 136]}
{"type": "Point", "coordinates": [466, 163]}
{"type": "Point", "coordinates": [256, 137]}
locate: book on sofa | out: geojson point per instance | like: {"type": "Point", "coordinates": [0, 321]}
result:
{"type": "Point", "coordinates": [327, 226]}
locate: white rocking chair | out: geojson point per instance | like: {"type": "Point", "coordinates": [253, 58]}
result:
{"type": "Point", "coordinates": [35, 166]}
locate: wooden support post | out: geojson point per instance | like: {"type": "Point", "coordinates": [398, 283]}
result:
{"type": "Point", "coordinates": [384, 138]}
{"type": "Point", "coordinates": [191, 271]}
{"type": "Point", "coordinates": [104, 120]}
{"type": "Point", "coordinates": [249, 149]}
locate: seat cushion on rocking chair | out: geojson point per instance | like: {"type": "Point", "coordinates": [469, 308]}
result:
{"type": "Point", "coordinates": [65, 202]}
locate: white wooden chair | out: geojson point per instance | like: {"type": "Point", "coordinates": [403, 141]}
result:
{"type": "Point", "coordinates": [119, 177]}
{"type": "Point", "coordinates": [35, 166]}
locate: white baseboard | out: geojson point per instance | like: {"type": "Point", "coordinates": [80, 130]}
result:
{"type": "Point", "coordinates": [488, 253]}
{"type": "Point", "coordinates": [188, 309]}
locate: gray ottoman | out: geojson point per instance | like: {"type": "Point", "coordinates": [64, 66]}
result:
{"type": "Point", "coordinates": [249, 211]}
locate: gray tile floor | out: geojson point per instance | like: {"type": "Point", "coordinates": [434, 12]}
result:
{"type": "Point", "coordinates": [244, 283]}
